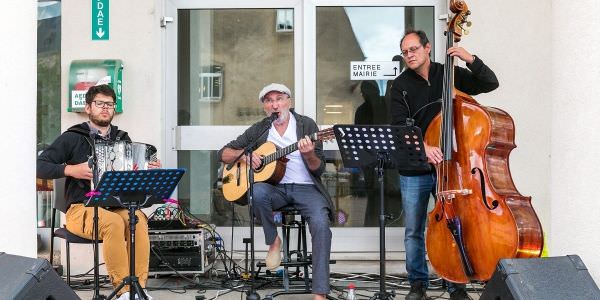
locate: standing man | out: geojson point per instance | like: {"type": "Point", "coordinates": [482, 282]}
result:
{"type": "Point", "coordinates": [68, 157]}
{"type": "Point", "coordinates": [416, 98]}
{"type": "Point", "coordinates": [301, 185]}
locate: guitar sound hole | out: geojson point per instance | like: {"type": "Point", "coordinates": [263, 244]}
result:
{"type": "Point", "coordinates": [227, 179]}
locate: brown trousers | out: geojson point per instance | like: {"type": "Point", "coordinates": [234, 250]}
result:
{"type": "Point", "coordinates": [113, 228]}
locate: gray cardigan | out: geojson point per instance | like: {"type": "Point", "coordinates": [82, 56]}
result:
{"type": "Point", "coordinates": [304, 126]}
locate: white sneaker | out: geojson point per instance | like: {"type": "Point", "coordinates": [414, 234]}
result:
{"type": "Point", "coordinates": [125, 296]}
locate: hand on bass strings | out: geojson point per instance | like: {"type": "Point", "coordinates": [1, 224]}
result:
{"type": "Point", "coordinates": [461, 53]}
{"type": "Point", "coordinates": [434, 154]}
{"type": "Point", "coordinates": [79, 171]}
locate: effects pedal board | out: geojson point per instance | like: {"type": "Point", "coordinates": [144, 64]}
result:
{"type": "Point", "coordinates": [186, 251]}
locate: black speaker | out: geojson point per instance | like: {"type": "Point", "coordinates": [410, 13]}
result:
{"type": "Point", "coordinates": [564, 277]}
{"type": "Point", "coordinates": [31, 279]}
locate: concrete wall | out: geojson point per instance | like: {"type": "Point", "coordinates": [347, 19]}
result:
{"type": "Point", "coordinates": [515, 44]}
{"type": "Point", "coordinates": [134, 38]}
{"type": "Point", "coordinates": [575, 139]}
{"type": "Point", "coordinates": [545, 54]}
{"type": "Point", "coordinates": [19, 89]}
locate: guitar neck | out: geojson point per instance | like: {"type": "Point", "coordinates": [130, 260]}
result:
{"type": "Point", "coordinates": [285, 151]}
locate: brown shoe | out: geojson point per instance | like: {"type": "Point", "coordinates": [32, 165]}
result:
{"type": "Point", "coordinates": [273, 259]}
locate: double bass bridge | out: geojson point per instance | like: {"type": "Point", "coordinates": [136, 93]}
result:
{"type": "Point", "coordinates": [451, 194]}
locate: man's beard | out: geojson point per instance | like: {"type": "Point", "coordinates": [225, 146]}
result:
{"type": "Point", "coordinates": [282, 117]}
{"type": "Point", "coordinates": [102, 123]}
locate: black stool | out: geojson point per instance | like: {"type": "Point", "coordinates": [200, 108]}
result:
{"type": "Point", "coordinates": [297, 258]}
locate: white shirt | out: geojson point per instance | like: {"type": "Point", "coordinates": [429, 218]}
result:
{"type": "Point", "coordinates": [296, 171]}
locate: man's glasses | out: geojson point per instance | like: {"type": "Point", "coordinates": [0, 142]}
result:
{"type": "Point", "coordinates": [278, 99]}
{"type": "Point", "coordinates": [103, 104]}
{"type": "Point", "coordinates": [412, 49]}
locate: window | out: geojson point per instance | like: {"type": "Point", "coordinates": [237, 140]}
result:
{"type": "Point", "coordinates": [244, 42]}
{"type": "Point", "coordinates": [211, 83]}
{"type": "Point", "coordinates": [285, 20]}
{"type": "Point", "coordinates": [48, 97]}
{"type": "Point", "coordinates": [346, 34]}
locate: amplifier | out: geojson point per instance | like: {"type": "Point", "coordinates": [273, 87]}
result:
{"type": "Point", "coordinates": [187, 251]}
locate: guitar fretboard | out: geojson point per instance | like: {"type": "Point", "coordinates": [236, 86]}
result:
{"type": "Point", "coordinates": [285, 151]}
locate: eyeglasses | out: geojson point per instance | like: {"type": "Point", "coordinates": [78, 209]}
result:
{"type": "Point", "coordinates": [412, 49]}
{"type": "Point", "coordinates": [103, 104]}
{"type": "Point", "coordinates": [277, 99]}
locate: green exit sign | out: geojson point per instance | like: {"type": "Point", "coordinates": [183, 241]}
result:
{"type": "Point", "coordinates": [100, 12]}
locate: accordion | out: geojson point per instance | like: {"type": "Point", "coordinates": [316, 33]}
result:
{"type": "Point", "coordinates": [122, 156]}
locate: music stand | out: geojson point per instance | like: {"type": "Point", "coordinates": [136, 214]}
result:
{"type": "Point", "coordinates": [381, 146]}
{"type": "Point", "coordinates": [133, 190]}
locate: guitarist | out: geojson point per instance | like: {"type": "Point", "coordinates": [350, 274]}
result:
{"type": "Point", "coordinates": [301, 185]}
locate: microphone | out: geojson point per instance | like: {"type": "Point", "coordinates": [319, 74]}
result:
{"type": "Point", "coordinates": [409, 120]}
{"type": "Point", "coordinates": [273, 116]}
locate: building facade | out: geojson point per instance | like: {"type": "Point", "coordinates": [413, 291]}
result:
{"type": "Point", "coordinates": [193, 69]}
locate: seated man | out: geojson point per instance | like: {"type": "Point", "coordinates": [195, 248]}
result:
{"type": "Point", "coordinates": [300, 186]}
{"type": "Point", "coordinates": [68, 157]}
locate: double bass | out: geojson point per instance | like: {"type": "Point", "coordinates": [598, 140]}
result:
{"type": "Point", "coordinates": [479, 216]}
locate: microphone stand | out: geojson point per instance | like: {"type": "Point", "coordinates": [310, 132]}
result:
{"type": "Point", "coordinates": [248, 150]}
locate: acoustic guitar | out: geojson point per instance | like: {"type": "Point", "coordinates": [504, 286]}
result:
{"type": "Point", "coordinates": [271, 170]}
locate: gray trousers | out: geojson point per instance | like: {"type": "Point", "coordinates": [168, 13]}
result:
{"type": "Point", "coordinates": [314, 207]}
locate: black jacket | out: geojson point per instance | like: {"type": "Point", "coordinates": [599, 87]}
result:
{"type": "Point", "coordinates": [72, 147]}
{"type": "Point", "coordinates": [419, 99]}
{"type": "Point", "coordinates": [304, 126]}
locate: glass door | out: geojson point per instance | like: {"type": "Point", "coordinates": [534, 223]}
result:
{"type": "Point", "coordinates": [346, 31]}
{"type": "Point", "coordinates": [219, 56]}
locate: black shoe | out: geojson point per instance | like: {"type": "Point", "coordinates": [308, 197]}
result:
{"type": "Point", "coordinates": [460, 294]}
{"type": "Point", "coordinates": [417, 291]}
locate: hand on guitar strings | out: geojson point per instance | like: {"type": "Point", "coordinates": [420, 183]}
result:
{"type": "Point", "coordinates": [305, 145]}
{"type": "Point", "coordinates": [256, 161]}
{"type": "Point", "coordinates": [307, 150]}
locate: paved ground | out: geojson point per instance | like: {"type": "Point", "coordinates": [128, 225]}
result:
{"type": "Point", "coordinates": [177, 288]}
{"type": "Point", "coordinates": [174, 288]}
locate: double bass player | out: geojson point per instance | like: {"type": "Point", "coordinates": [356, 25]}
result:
{"type": "Point", "coordinates": [416, 99]}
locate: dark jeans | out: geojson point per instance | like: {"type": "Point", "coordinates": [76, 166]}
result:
{"type": "Point", "coordinates": [314, 207]}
